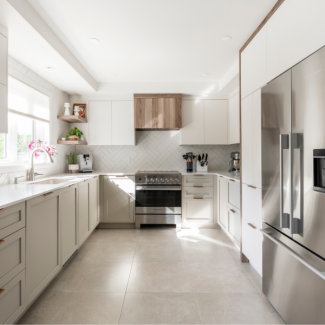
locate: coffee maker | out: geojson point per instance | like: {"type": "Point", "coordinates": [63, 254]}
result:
{"type": "Point", "coordinates": [234, 163]}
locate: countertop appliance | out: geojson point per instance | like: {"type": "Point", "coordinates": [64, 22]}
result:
{"type": "Point", "coordinates": [158, 197]}
{"type": "Point", "coordinates": [293, 186]}
{"type": "Point", "coordinates": [85, 163]}
{"type": "Point", "coordinates": [234, 163]}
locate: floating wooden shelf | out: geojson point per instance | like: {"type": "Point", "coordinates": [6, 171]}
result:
{"type": "Point", "coordinates": [69, 142]}
{"type": "Point", "coordinates": [72, 119]}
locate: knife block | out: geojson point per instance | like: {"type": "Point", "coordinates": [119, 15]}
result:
{"type": "Point", "coordinates": [199, 168]}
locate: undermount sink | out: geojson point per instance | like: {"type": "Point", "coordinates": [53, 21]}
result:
{"type": "Point", "coordinates": [51, 181]}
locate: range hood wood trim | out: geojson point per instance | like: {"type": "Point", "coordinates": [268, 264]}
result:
{"type": "Point", "coordinates": [157, 95]}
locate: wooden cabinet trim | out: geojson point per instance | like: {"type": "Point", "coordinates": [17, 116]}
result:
{"type": "Point", "coordinates": [157, 96]}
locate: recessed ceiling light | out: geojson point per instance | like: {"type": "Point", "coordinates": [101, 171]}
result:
{"type": "Point", "coordinates": [205, 74]}
{"type": "Point", "coordinates": [225, 38]}
{"type": "Point", "coordinates": [94, 40]}
{"type": "Point", "coordinates": [50, 67]}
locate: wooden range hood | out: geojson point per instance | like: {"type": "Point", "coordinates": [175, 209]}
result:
{"type": "Point", "coordinates": [157, 111]}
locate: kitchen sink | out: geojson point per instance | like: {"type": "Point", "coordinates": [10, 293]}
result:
{"type": "Point", "coordinates": [52, 181]}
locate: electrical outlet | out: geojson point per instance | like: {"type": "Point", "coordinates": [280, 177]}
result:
{"type": "Point", "coordinates": [126, 160]}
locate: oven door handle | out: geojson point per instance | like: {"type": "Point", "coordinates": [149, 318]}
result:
{"type": "Point", "coordinates": [160, 188]}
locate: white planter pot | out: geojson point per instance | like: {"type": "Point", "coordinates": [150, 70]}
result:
{"type": "Point", "coordinates": [73, 168]}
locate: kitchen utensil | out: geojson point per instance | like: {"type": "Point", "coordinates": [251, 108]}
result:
{"type": "Point", "coordinates": [199, 158]}
{"type": "Point", "coordinates": [206, 159]}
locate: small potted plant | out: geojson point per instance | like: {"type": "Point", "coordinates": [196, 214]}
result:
{"type": "Point", "coordinates": [74, 134]}
{"type": "Point", "coordinates": [72, 160]}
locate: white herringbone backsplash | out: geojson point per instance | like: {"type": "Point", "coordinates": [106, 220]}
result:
{"type": "Point", "coordinates": [155, 150]}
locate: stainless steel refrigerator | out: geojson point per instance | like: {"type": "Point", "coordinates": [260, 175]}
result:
{"type": "Point", "coordinates": [293, 191]}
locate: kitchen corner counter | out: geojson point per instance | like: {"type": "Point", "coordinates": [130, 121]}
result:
{"type": "Point", "coordinates": [224, 173]}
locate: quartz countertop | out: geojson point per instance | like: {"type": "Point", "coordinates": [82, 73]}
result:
{"type": "Point", "coordinates": [16, 193]}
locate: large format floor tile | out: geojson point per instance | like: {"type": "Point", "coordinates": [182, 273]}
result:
{"type": "Point", "coordinates": [159, 277]}
{"type": "Point", "coordinates": [113, 236]}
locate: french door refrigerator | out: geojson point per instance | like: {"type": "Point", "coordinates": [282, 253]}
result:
{"type": "Point", "coordinates": [293, 191]}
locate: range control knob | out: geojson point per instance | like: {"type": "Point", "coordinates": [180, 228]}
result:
{"type": "Point", "coordinates": [152, 180]}
{"type": "Point", "coordinates": [162, 180]}
{"type": "Point", "coordinates": [167, 180]}
{"type": "Point", "coordinates": [157, 179]}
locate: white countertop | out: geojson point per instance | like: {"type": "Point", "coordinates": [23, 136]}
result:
{"type": "Point", "coordinates": [15, 193]}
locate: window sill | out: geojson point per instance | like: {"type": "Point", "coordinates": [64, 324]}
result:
{"type": "Point", "coordinates": [6, 167]}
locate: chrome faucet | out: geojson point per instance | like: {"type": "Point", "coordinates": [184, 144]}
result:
{"type": "Point", "coordinates": [31, 172]}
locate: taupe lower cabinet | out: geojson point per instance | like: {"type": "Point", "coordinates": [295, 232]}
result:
{"type": "Point", "coordinates": [69, 221]}
{"type": "Point", "coordinates": [157, 111]}
{"type": "Point", "coordinates": [118, 199]}
{"type": "Point", "coordinates": [42, 242]}
{"type": "Point", "coordinates": [93, 203]}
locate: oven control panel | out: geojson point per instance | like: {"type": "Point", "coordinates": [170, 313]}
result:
{"type": "Point", "coordinates": [165, 178]}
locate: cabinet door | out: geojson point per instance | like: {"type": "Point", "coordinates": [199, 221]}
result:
{"type": "Point", "coordinates": [234, 193]}
{"type": "Point", "coordinates": [42, 242]}
{"type": "Point", "coordinates": [12, 299]}
{"type": "Point", "coordinates": [192, 131]}
{"type": "Point", "coordinates": [294, 32]}
{"type": "Point", "coordinates": [169, 113]}
{"type": "Point", "coordinates": [12, 218]}
{"type": "Point", "coordinates": [69, 222]}
{"type": "Point", "coordinates": [100, 122]}
{"type": "Point", "coordinates": [93, 203]}
{"type": "Point", "coordinates": [83, 209]}
{"type": "Point", "coordinates": [197, 211]}
{"type": "Point", "coordinates": [233, 119]}
{"type": "Point", "coordinates": [253, 64]}
{"type": "Point", "coordinates": [247, 139]}
{"type": "Point", "coordinates": [223, 201]}
{"type": "Point", "coordinates": [146, 113]}
{"type": "Point", "coordinates": [252, 241]}
{"type": "Point", "coordinates": [118, 197]}
{"type": "Point", "coordinates": [234, 227]}
{"type": "Point", "coordinates": [252, 205]}
{"type": "Point", "coordinates": [3, 109]}
{"type": "Point", "coordinates": [257, 139]}
{"type": "Point", "coordinates": [123, 132]}
{"type": "Point", "coordinates": [215, 122]}
{"type": "Point", "coordinates": [3, 60]}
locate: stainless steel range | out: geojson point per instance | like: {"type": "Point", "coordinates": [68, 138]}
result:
{"type": "Point", "coordinates": [158, 198]}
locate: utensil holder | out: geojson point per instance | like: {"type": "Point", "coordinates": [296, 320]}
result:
{"type": "Point", "coordinates": [199, 168]}
{"type": "Point", "coordinates": [189, 167]}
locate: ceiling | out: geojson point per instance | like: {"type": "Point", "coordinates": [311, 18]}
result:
{"type": "Point", "coordinates": [140, 40]}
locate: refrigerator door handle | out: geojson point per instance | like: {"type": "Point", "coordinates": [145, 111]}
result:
{"type": "Point", "coordinates": [268, 232]}
{"type": "Point", "coordinates": [284, 217]}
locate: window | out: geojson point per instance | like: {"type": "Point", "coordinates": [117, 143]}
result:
{"type": "Point", "coordinates": [28, 121]}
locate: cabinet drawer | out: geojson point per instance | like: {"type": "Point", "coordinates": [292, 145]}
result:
{"type": "Point", "coordinates": [197, 211]}
{"type": "Point", "coordinates": [234, 225]}
{"type": "Point", "coordinates": [234, 193]}
{"type": "Point", "coordinates": [12, 219]}
{"type": "Point", "coordinates": [252, 241]}
{"type": "Point", "coordinates": [252, 205]}
{"type": "Point", "coordinates": [12, 299]}
{"type": "Point", "coordinates": [198, 180]}
{"type": "Point", "coordinates": [12, 255]}
{"type": "Point", "coordinates": [197, 192]}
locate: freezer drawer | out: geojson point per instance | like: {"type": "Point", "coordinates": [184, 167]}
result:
{"type": "Point", "coordinates": [293, 280]}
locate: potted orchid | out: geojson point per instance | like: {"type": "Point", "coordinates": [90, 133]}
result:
{"type": "Point", "coordinates": [42, 144]}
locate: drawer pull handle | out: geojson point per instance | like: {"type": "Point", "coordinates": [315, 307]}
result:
{"type": "Point", "coordinates": [251, 225]}
{"type": "Point", "coordinates": [251, 186]}
{"type": "Point", "coordinates": [220, 176]}
{"type": "Point", "coordinates": [231, 180]}
{"type": "Point", "coordinates": [2, 209]}
{"type": "Point", "coordinates": [2, 241]}
{"type": "Point", "coordinates": [198, 186]}
{"type": "Point", "coordinates": [1, 290]}
{"type": "Point", "coordinates": [198, 198]}
{"type": "Point", "coordinates": [71, 185]}
{"type": "Point", "coordinates": [119, 176]}
{"type": "Point", "coordinates": [233, 211]}
{"type": "Point", "coordinates": [48, 194]}
{"type": "Point", "coordinates": [198, 175]}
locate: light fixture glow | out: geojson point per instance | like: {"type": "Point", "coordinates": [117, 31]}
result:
{"type": "Point", "coordinates": [225, 38]}
{"type": "Point", "coordinates": [93, 40]}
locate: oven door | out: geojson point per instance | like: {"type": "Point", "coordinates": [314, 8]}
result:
{"type": "Point", "coordinates": [158, 199]}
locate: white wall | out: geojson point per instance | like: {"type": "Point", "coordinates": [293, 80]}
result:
{"type": "Point", "coordinates": [57, 128]}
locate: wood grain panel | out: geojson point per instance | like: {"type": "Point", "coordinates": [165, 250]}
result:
{"type": "Point", "coordinates": [157, 96]}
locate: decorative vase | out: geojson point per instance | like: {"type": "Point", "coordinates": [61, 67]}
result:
{"type": "Point", "coordinates": [73, 138]}
{"type": "Point", "coordinates": [67, 109]}
{"type": "Point", "coordinates": [73, 169]}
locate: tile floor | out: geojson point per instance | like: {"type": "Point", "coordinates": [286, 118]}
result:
{"type": "Point", "coordinates": [154, 276]}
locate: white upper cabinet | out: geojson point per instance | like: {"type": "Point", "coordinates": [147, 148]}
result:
{"type": "Point", "coordinates": [215, 121]}
{"type": "Point", "coordinates": [247, 139]}
{"type": "Point", "coordinates": [204, 122]}
{"type": "Point", "coordinates": [295, 31]}
{"type": "Point", "coordinates": [253, 64]}
{"type": "Point", "coordinates": [192, 131]}
{"type": "Point", "coordinates": [233, 119]}
{"type": "Point", "coordinates": [123, 132]}
{"type": "Point", "coordinates": [251, 139]}
{"type": "Point", "coordinates": [100, 122]}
